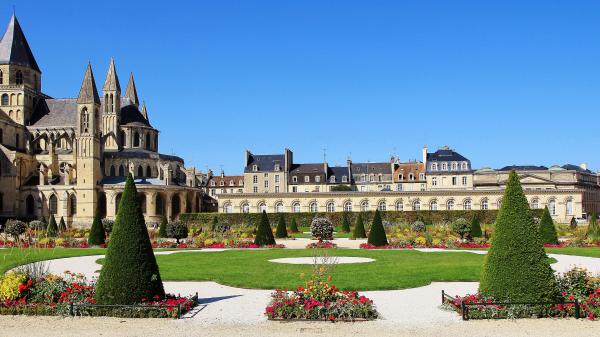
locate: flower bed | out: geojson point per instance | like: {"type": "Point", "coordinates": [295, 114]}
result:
{"type": "Point", "coordinates": [321, 244]}
{"type": "Point", "coordinates": [21, 294]}
{"type": "Point", "coordinates": [455, 245]}
{"type": "Point", "coordinates": [210, 244]}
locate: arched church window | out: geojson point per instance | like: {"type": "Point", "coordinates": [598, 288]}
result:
{"type": "Point", "coordinates": [136, 139]}
{"type": "Point", "coordinates": [19, 77]}
{"type": "Point", "coordinates": [85, 120]}
{"type": "Point", "coordinates": [1, 77]}
{"type": "Point", "coordinates": [5, 99]}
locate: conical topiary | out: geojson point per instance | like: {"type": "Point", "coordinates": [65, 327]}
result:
{"type": "Point", "coordinates": [162, 229]}
{"type": "Point", "coordinates": [97, 234]}
{"type": "Point", "coordinates": [547, 228]}
{"type": "Point", "coordinates": [516, 267]}
{"type": "Point", "coordinates": [345, 223]}
{"type": "Point", "coordinates": [593, 225]}
{"type": "Point", "coordinates": [377, 235]}
{"type": "Point", "coordinates": [130, 273]}
{"type": "Point", "coordinates": [62, 226]}
{"type": "Point", "coordinates": [281, 231]}
{"type": "Point", "coordinates": [52, 229]}
{"type": "Point", "coordinates": [573, 223]}
{"type": "Point", "coordinates": [476, 228]}
{"type": "Point", "coordinates": [215, 222]}
{"type": "Point", "coordinates": [294, 226]}
{"type": "Point", "coordinates": [359, 228]}
{"type": "Point", "coordinates": [264, 234]}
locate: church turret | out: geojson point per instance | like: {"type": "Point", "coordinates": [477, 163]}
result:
{"type": "Point", "coordinates": [131, 91]}
{"type": "Point", "coordinates": [88, 145]}
{"type": "Point", "coordinates": [145, 112]}
{"type": "Point", "coordinates": [112, 107]}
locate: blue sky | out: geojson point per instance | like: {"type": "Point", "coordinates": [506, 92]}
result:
{"type": "Point", "coordinates": [505, 82]}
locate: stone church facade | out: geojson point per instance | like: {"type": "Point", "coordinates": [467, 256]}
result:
{"type": "Point", "coordinates": [70, 157]}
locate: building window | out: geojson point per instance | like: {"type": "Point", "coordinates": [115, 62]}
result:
{"type": "Point", "coordinates": [344, 179]}
{"type": "Point", "coordinates": [332, 179]}
{"type": "Point", "coordinates": [433, 205]}
{"type": "Point", "coordinates": [5, 99]}
{"type": "Point", "coordinates": [450, 205]}
{"type": "Point", "coordinates": [306, 179]}
{"type": "Point", "coordinates": [266, 184]}
{"type": "Point", "coordinates": [434, 167]}
{"type": "Point", "coordinates": [400, 177]}
{"type": "Point", "coordinates": [222, 183]}
{"type": "Point", "coordinates": [569, 206]}
{"type": "Point", "coordinates": [136, 139]}
{"type": "Point", "coordinates": [245, 208]}
{"type": "Point", "coordinates": [294, 189]}
{"type": "Point", "coordinates": [382, 207]}
{"type": "Point", "coordinates": [276, 189]}
{"type": "Point", "coordinates": [72, 205]}
{"type": "Point", "coordinates": [317, 179]}
{"type": "Point", "coordinates": [399, 206]}
{"type": "Point", "coordinates": [19, 77]}
{"type": "Point", "coordinates": [485, 204]}
{"type": "Point", "coordinates": [552, 207]}
{"type": "Point", "coordinates": [444, 167]}
{"type": "Point", "coordinates": [348, 206]}
{"type": "Point", "coordinates": [277, 178]}
{"type": "Point", "coordinates": [454, 181]}
{"type": "Point", "coordinates": [296, 207]}
{"type": "Point", "coordinates": [330, 207]}
{"type": "Point", "coordinates": [1, 77]}
{"type": "Point", "coordinates": [255, 179]}
{"type": "Point", "coordinates": [313, 207]}
{"type": "Point", "coordinates": [535, 203]}
{"type": "Point", "coordinates": [499, 203]}
{"type": "Point", "coordinates": [255, 189]}
{"type": "Point", "coordinates": [294, 179]}
{"type": "Point", "coordinates": [228, 208]}
{"type": "Point", "coordinates": [254, 168]}
{"type": "Point", "coordinates": [454, 167]}
{"type": "Point", "coordinates": [467, 204]}
{"type": "Point", "coordinates": [276, 167]}
{"type": "Point", "coordinates": [411, 177]}
{"type": "Point", "coordinates": [434, 181]}
{"type": "Point", "coordinates": [371, 178]}
{"type": "Point", "coordinates": [399, 187]}
{"type": "Point", "coordinates": [421, 176]}
{"type": "Point", "coordinates": [140, 171]}
{"type": "Point", "coordinates": [279, 207]}
{"type": "Point", "coordinates": [85, 120]}
{"type": "Point", "coordinates": [364, 206]}
{"type": "Point", "coordinates": [416, 205]}
{"type": "Point", "coordinates": [53, 204]}
{"type": "Point", "coordinates": [464, 166]}
{"type": "Point", "coordinates": [464, 181]}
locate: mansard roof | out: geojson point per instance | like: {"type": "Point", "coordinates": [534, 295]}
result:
{"type": "Point", "coordinates": [523, 168]}
{"type": "Point", "coordinates": [265, 162]}
{"type": "Point", "coordinates": [368, 168]}
{"type": "Point", "coordinates": [14, 48]}
{"type": "Point", "coordinates": [307, 169]}
{"type": "Point", "coordinates": [445, 154]}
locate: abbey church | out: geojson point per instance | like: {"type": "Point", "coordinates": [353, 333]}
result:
{"type": "Point", "coordinates": [70, 156]}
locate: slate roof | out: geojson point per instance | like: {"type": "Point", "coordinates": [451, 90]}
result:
{"type": "Point", "coordinates": [14, 48]}
{"type": "Point", "coordinates": [368, 168]}
{"type": "Point", "coordinates": [523, 168]}
{"type": "Point", "coordinates": [140, 154]}
{"type": "Point", "coordinates": [339, 172]}
{"type": "Point", "coordinates": [62, 112]}
{"type": "Point", "coordinates": [445, 154]}
{"type": "Point", "coordinates": [576, 168]}
{"type": "Point", "coordinates": [265, 162]}
{"type": "Point", "coordinates": [88, 92]}
{"type": "Point", "coordinates": [131, 91]}
{"type": "Point", "coordinates": [307, 168]}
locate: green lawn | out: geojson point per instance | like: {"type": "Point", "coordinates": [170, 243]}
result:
{"type": "Point", "coordinates": [13, 257]}
{"type": "Point", "coordinates": [592, 251]}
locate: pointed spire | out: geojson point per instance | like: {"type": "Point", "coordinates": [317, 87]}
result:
{"type": "Point", "coordinates": [88, 92]}
{"type": "Point", "coordinates": [131, 92]}
{"type": "Point", "coordinates": [145, 111]}
{"type": "Point", "coordinates": [14, 48]}
{"type": "Point", "coordinates": [112, 80]}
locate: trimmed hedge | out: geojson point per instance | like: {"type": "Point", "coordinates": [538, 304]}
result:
{"type": "Point", "coordinates": [97, 233]}
{"type": "Point", "coordinates": [294, 226]}
{"type": "Point", "coordinates": [281, 230]}
{"type": "Point", "coordinates": [130, 273]}
{"type": "Point", "coordinates": [264, 233]}
{"type": "Point", "coordinates": [359, 228]}
{"type": "Point", "coordinates": [162, 229]}
{"type": "Point", "coordinates": [476, 228]}
{"type": "Point", "coordinates": [377, 235]}
{"type": "Point", "coordinates": [52, 229]}
{"type": "Point", "coordinates": [547, 228]}
{"type": "Point", "coordinates": [516, 267]}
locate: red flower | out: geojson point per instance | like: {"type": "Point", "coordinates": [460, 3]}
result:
{"type": "Point", "coordinates": [331, 318]}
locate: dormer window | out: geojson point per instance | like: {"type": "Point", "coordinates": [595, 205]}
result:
{"type": "Point", "coordinates": [240, 183]}
{"type": "Point", "coordinates": [422, 176]}
{"type": "Point", "coordinates": [454, 166]}
{"type": "Point", "coordinates": [332, 179]}
{"type": "Point", "coordinates": [277, 168]}
{"type": "Point", "coordinates": [464, 166]}
{"type": "Point", "coordinates": [344, 179]}
{"type": "Point", "coordinates": [222, 183]}
{"type": "Point", "coordinates": [254, 168]}
{"type": "Point", "coordinates": [411, 177]}
{"type": "Point", "coordinates": [306, 179]}
{"type": "Point", "coordinates": [434, 167]}
{"type": "Point", "coordinates": [212, 183]}
{"type": "Point", "coordinates": [444, 166]}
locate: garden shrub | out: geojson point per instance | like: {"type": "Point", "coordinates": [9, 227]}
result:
{"type": "Point", "coordinates": [37, 225]}
{"type": "Point", "coordinates": [547, 228]}
{"type": "Point", "coordinates": [162, 229]}
{"type": "Point", "coordinates": [264, 233]}
{"type": "Point", "coordinates": [215, 222]}
{"type": "Point", "coordinates": [9, 285]}
{"type": "Point", "coordinates": [62, 226]}
{"type": "Point", "coordinates": [516, 267]}
{"type": "Point", "coordinates": [418, 226]}
{"type": "Point", "coordinates": [573, 223]}
{"type": "Point", "coordinates": [52, 229]}
{"type": "Point", "coordinates": [130, 273]}
{"type": "Point", "coordinates": [294, 226]}
{"type": "Point", "coordinates": [377, 235]}
{"type": "Point", "coordinates": [593, 225]}
{"type": "Point", "coordinates": [281, 230]}
{"type": "Point", "coordinates": [222, 228]}
{"type": "Point", "coordinates": [345, 223]}
{"type": "Point", "coordinates": [97, 235]}
{"type": "Point", "coordinates": [107, 224]}
{"type": "Point", "coordinates": [461, 227]}
{"type": "Point", "coordinates": [177, 230]}
{"type": "Point", "coordinates": [476, 228]}
{"type": "Point", "coordinates": [322, 229]}
{"type": "Point", "coordinates": [359, 228]}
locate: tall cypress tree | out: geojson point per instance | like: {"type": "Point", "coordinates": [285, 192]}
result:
{"type": "Point", "coordinates": [264, 234]}
{"type": "Point", "coordinates": [281, 231]}
{"type": "Point", "coordinates": [97, 233]}
{"type": "Point", "coordinates": [62, 226]}
{"type": "Point", "coordinates": [162, 229]}
{"type": "Point", "coordinates": [593, 225]}
{"type": "Point", "coordinates": [294, 226]}
{"type": "Point", "coordinates": [476, 228]}
{"type": "Point", "coordinates": [547, 228]}
{"type": "Point", "coordinates": [516, 267]}
{"type": "Point", "coordinates": [52, 229]}
{"type": "Point", "coordinates": [359, 228]}
{"type": "Point", "coordinates": [345, 223]}
{"type": "Point", "coordinates": [130, 272]}
{"type": "Point", "coordinates": [377, 235]}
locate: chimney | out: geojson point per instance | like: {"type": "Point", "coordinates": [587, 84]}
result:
{"type": "Point", "coordinates": [247, 155]}
{"type": "Point", "coordinates": [289, 159]}
{"type": "Point", "coordinates": [425, 155]}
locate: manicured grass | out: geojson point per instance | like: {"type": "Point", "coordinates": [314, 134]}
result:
{"type": "Point", "coordinates": [393, 269]}
{"type": "Point", "coordinates": [591, 251]}
{"type": "Point", "coordinates": [13, 257]}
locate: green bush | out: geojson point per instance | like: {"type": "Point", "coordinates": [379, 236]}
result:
{"type": "Point", "coordinates": [108, 225]}
{"type": "Point", "coordinates": [52, 229]}
{"type": "Point", "coordinates": [130, 272]}
{"type": "Point", "coordinates": [264, 234]}
{"type": "Point", "coordinates": [593, 225]}
{"type": "Point", "coordinates": [322, 229]}
{"type": "Point", "coordinates": [162, 229]}
{"type": "Point", "coordinates": [547, 228]}
{"type": "Point", "coordinates": [97, 233]}
{"type": "Point", "coordinates": [461, 227]}
{"type": "Point", "coordinates": [215, 222]}
{"type": "Point", "coordinates": [359, 228]}
{"type": "Point", "coordinates": [281, 230]}
{"type": "Point", "coordinates": [62, 226]}
{"type": "Point", "coordinates": [345, 223]}
{"type": "Point", "coordinates": [15, 228]}
{"type": "Point", "coordinates": [294, 226]}
{"type": "Point", "coordinates": [573, 223]}
{"type": "Point", "coordinates": [377, 235]}
{"type": "Point", "coordinates": [516, 267]}
{"type": "Point", "coordinates": [476, 228]}
{"type": "Point", "coordinates": [177, 230]}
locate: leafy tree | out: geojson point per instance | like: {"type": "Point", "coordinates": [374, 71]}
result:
{"type": "Point", "coordinates": [359, 228]}
{"type": "Point", "coordinates": [15, 228]}
{"type": "Point", "coordinates": [516, 267]}
{"type": "Point", "coordinates": [97, 233]}
{"type": "Point", "coordinates": [345, 223]}
{"type": "Point", "coordinates": [177, 230]}
{"type": "Point", "coordinates": [62, 226]}
{"type": "Point", "coordinates": [321, 228]}
{"type": "Point", "coordinates": [162, 229]}
{"type": "Point", "coordinates": [264, 234]}
{"type": "Point", "coordinates": [130, 273]}
{"type": "Point", "coordinates": [281, 231]}
{"type": "Point", "coordinates": [294, 226]}
{"type": "Point", "coordinates": [476, 228]}
{"type": "Point", "coordinates": [547, 228]}
{"type": "Point", "coordinates": [461, 227]}
{"type": "Point", "coordinates": [377, 235]}
{"type": "Point", "coordinates": [52, 229]}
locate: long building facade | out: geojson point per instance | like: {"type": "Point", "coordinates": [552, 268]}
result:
{"type": "Point", "coordinates": [70, 156]}
{"type": "Point", "coordinates": [442, 180]}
